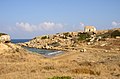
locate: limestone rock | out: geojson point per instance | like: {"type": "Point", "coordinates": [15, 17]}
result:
{"type": "Point", "coordinates": [88, 43]}
{"type": "Point", "coordinates": [83, 50]}
{"type": "Point", "coordinates": [117, 37]}
{"type": "Point", "coordinates": [4, 38]}
{"type": "Point", "coordinates": [103, 44]}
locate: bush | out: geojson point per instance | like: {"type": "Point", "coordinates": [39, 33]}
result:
{"type": "Point", "coordinates": [115, 33]}
{"type": "Point", "coordinates": [44, 37]}
{"type": "Point", "coordinates": [49, 68]}
{"type": "Point", "coordinates": [2, 34]}
{"type": "Point", "coordinates": [83, 36]}
{"type": "Point", "coordinates": [66, 34]}
{"type": "Point", "coordinates": [85, 71]}
{"type": "Point", "coordinates": [105, 35]}
{"type": "Point", "coordinates": [110, 34]}
{"type": "Point", "coordinates": [63, 77]}
{"type": "Point", "coordinates": [55, 44]}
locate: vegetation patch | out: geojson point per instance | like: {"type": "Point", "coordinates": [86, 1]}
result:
{"type": "Point", "coordinates": [85, 64]}
{"type": "Point", "coordinates": [105, 35]}
{"type": "Point", "coordinates": [2, 34]}
{"type": "Point", "coordinates": [63, 77]}
{"type": "Point", "coordinates": [83, 36]}
{"type": "Point", "coordinates": [110, 34]}
{"type": "Point", "coordinates": [55, 44]}
{"type": "Point", "coordinates": [115, 33]}
{"type": "Point", "coordinates": [85, 71]}
{"type": "Point", "coordinates": [49, 67]}
{"type": "Point", "coordinates": [67, 34]}
{"type": "Point", "coordinates": [44, 37]}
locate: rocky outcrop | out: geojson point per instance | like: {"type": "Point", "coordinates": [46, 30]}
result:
{"type": "Point", "coordinates": [61, 41]}
{"type": "Point", "coordinates": [69, 40]}
{"type": "Point", "coordinates": [58, 41]}
{"type": "Point", "coordinates": [4, 38]}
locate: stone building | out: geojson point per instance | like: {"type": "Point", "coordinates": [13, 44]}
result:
{"type": "Point", "coordinates": [89, 29]}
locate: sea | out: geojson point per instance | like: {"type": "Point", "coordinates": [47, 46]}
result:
{"type": "Point", "coordinates": [19, 40]}
{"type": "Point", "coordinates": [45, 52]}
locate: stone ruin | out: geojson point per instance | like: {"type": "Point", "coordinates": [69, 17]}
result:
{"type": "Point", "coordinates": [89, 29]}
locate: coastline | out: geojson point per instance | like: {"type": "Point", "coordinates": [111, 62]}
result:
{"type": "Point", "coordinates": [98, 60]}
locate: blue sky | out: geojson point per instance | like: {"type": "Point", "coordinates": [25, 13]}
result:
{"type": "Point", "coordinates": [30, 18]}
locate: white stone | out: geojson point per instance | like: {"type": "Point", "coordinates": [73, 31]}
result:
{"type": "Point", "coordinates": [5, 38]}
{"type": "Point", "coordinates": [102, 44]}
{"type": "Point", "coordinates": [83, 50]}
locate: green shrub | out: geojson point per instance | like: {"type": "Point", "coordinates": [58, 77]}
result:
{"type": "Point", "coordinates": [66, 34]}
{"type": "Point", "coordinates": [63, 77]}
{"type": "Point", "coordinates": [49, 67]}
{"type": "Point", "coordinates": [2, 34]}
{"type": "Point", "coordinates": [44, 37]}
{"type": "Point", "coordinates": [115, 33]}
{"type": "Point", "coordinates": [85, 71]}
{"type": "Point", "coordinates": [105, 35]}
{"type": "Point", "coordinates": [110, 34]}
{"type": "Point", "coordinates": [55, 44]}
{"type": "Point", "coordinates": [83, 36]}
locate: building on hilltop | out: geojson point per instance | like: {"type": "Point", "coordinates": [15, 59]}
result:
{"type": "Point", "coordinates": [89, 29]}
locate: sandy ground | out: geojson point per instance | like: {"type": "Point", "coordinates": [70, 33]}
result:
{"type": "Point", "coordinates": [97, 62]}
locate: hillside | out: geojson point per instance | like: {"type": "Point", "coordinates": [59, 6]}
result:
{"type": "Point", "coordinates": [83, 59]}
{"type": "Point", "coordinates": [70, 40]}
{"type": "Point", "coordinates": [97, 62]}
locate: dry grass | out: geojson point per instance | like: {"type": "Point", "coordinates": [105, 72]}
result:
{"type": "Point", "coordinates": [17, 63]}
{"type": "Point", "coordinates": [85, 71]}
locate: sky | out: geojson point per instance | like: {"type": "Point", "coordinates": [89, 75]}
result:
{"type": "Point", "coordinates": [26, 19]}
